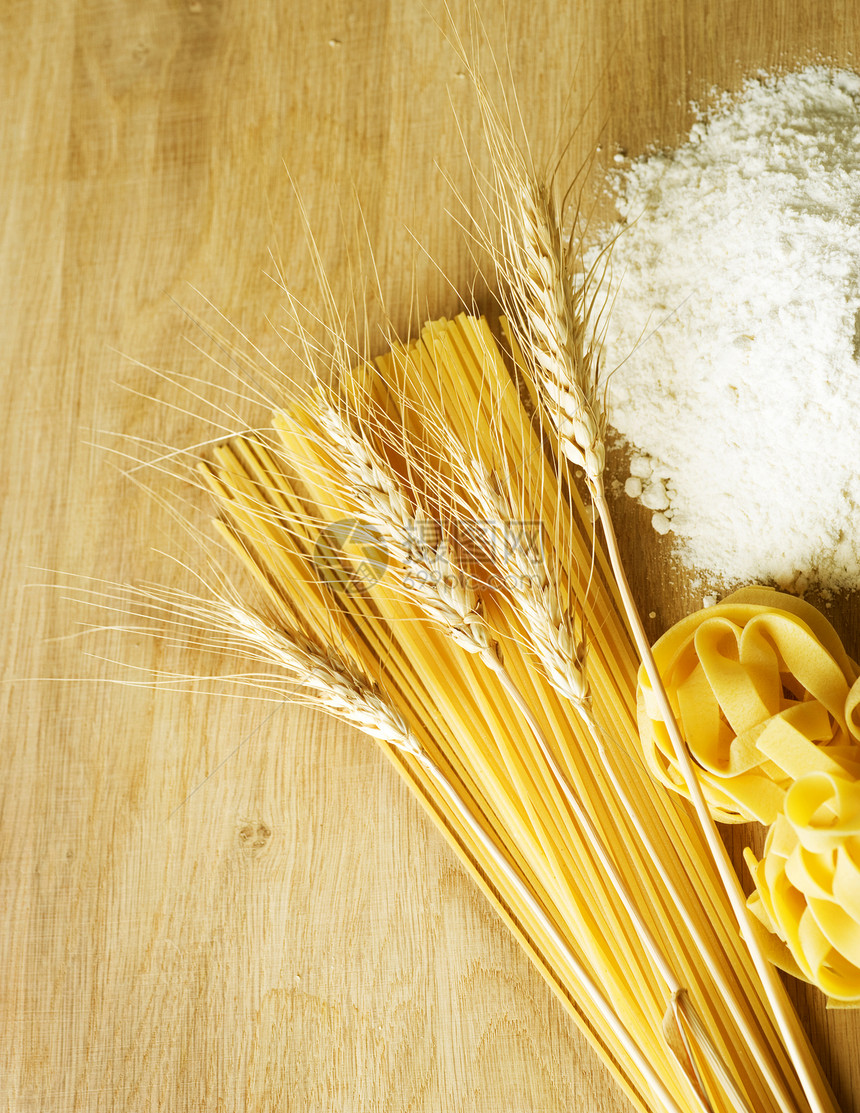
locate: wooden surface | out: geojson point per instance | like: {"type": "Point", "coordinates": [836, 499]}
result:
{"type": "Point", "coordinates": [205, 905]}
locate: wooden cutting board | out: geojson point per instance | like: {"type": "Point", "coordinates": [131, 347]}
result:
{"type": "Point", "coordinates": [207, 903]}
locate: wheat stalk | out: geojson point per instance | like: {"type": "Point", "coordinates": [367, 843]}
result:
{"type": "Point", "coordinates": [356, 472]}
{"type": "Point", "coordinates": [389, 498]}
{"type": "Point", "coordinates": [447, 595]}
{"type": "Point", "coordinates": [549, 316]}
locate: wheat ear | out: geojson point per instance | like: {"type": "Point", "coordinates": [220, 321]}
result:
{"type": "Point", "coordinates": [370, 489]}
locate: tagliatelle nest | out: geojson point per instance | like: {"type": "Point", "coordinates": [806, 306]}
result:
{"type": "Point", "coordinates": [808, 885]}
{"type": "Point", "coordinates": [762, 689]}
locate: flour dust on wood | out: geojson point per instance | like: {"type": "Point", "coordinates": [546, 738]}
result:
{"type": "Point", "coordinates": [735, 332]}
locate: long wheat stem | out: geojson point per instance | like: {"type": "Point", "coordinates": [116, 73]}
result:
{"type": "Point", "coordinates": [550, 315]}
{"type": "Point", "coordinates": [379, 497]}
{"type": "Point", "coordinates": [776, 995]}
{"type": "Point", "coordinates": [525, 578]}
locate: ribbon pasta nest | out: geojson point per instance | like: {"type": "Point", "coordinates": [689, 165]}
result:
{"type": "Point", "coordinates": [769, 705]}
{"type": "Point", "coordinates": [808, 885]}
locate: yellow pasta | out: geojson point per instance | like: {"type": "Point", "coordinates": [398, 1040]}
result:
{"type": "Point", "coordinates": [769, 704]}
{"type": "Point", "coordinates": [808, 885]}
{"type": "Point", "coordinates": [760, 686]}
{"type": "Point", "coordinates": [278, 491]}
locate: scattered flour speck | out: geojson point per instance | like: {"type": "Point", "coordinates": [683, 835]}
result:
{"type": "Point", "coordinates": [736, 333]}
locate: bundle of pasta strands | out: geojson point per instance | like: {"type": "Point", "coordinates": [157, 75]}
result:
{"type": "Point", "coordinates": [510, 672]}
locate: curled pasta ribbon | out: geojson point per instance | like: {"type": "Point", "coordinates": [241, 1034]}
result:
{"type": "Point", "coordinates": [761, 689]}
{"type": "Point", "coordinates": [808, 885]}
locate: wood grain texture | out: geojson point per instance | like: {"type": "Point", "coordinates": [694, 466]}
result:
{"type": "Point", "coordinates": [207, 905]}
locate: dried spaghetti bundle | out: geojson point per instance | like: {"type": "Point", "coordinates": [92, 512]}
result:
{"type": "Point", "coordinates": [410, 530]}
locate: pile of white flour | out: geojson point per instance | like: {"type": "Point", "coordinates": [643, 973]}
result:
{"type": "Point", "coordinates": [736, 333]}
